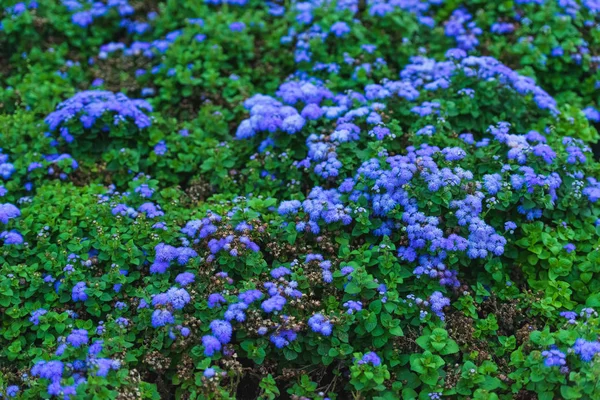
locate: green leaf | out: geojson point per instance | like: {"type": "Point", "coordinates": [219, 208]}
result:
{"type": "Point", "coordinates": [569, 392]}
{"type": "Point", "coordinates": [371, 322]}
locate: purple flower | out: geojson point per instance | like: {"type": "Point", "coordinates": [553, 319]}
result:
{"type": "Point", "coordinates": [428, 130]}
{"type": "Point", "coordinates": [185, 278]}
{"type": "Point", "coordinates": [592, 114]}
{"type": "Point", "coordinates": [370, 358]}
{"type": "Point", "coordinates": [161, 148]}
{"type": "Point", "coordinates": [454, 153]}
{"type": "Point", "coordinates": [78, 337]}
{"type": "Point", "coordinates": [178, 297]}
{"type": "Point", "coordinates": [104, 365]}
{"type": "Point", "coordinates": [293, 124]}
{"type": "Point", "coordinates": [78, 292]}
{"type": "Point", "coordinates": [437, 302]}
{"type": "Point", "coordinates": [8, 212]}
{"type": "Point", "coordinates": [222, 330]}
{"type": "Point", "coordinates": [586, 350]}
{"type": "Point", "coordinates": [236, 312]}
{"type": "Point", "coordinates": [52, 370]}
{"type": "Point", "coordinates": [492, 183]}
{"type": "Point", "coordinates": [92, 104]}
{"type": "Point", "coordinates": [571, 316]}
{"type": "Point", "coordinates": [35, 316]}
{"type": "Point", "coordinates": [11, 237]}
{"type": "Point", "coordinates": [274, 303]}
{"type": "Point", "coordinates": [12, 391]}
{"type": "Point", "coordinates": [319, 324]}
{"type": "Point", "coordinates": [82, 18]}
{"type": "Point", "coordinates": [340, 29]}
{"type": "Point", "coordinates": [250, 296]}
{"type": "Point", "coordinates": [96, 347]}
{"type": "Point", "coordinates": [280, 272]}
{"type": "Point", "coordinates": [283, 338]}
{"type": "Point", "coordinates": [353, 306]}
{"type": "Point", "coordinates": [289, 207]}
{"type": "Point", "coordinates": [312, 112]}
{"type": "Point", "coordinates": [162, 318]}
{"type": "Point", "coordinates": [216, 299]}
{"type": "Point", "coordinates": [237, 26]}
{"type": "Point", "coordinates": [554, 358]}
{"type": "Point", "coordinates": [211, 345]}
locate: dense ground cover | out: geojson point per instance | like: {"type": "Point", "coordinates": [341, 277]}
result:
{"type": "Point", "coordinates": [381, 199]}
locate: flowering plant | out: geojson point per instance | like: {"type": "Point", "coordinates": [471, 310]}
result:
{"type": "Point", "coordinates": [316, 199]}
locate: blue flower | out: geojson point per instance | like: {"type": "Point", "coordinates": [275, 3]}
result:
{"type": "Point", "coordinates": [78, 292]}
{"type": "Point", "coordinates": [162, 318]}
{"type": "Point", "coordinates": [586, 350]}
{"type": "Point", "coordinates": [12, 391]}
{"type": "Point", "coordinates": [340, 29]}
{"type": "Point", "coordinates": [370, 358]}
{"type": "Point", "coordinates": [319, 324]}
{"type": "Point", "coordinates": [237, 26]}
{"type": "Point", "coordinates": [211, 345]}
{"type": "Point", "coordinates": [35, 316]}
{"type": "Point", "coordinates": [250, 296]}
{"type": "Point", "coordinates": [280, 272]}
{"type": "Point", "coordinates": [8, 212]}
{"type": "Point", "coordinates": [274, 303]}
{"type": "Point", "coordinates": [78, 337]}
{"type": "Point", "coordinates": [185, 278]}
{"type": "Point", "coordinates": [221, 330]}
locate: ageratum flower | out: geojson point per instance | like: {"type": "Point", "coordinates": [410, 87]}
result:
{"type": "Point", "coordinates": [162, 318]}
{"type": "Point", "coordinates": [90, 105]}
{"type": "Point", "coordinates": [437, 302]}
{"type": "Point", "coordinates": [96, 347]}
{"type": "Point", "coordinates": [35, 316]}
{"type": "Point", "coordinates": [280, 272]}
{"type": "Point", "coordinates": [353, 306]}
{"type": "Point", "coordinates": [319, 324]}
{"type": "Point", "coordinates": [78, 337]}
{"type": "Point", "coordinates": [78, 292]}
{"type": "Point", "coordinates": [586, 350]}
{"type": "Point", "coordinates": [250, 296]}
{"type": "Point", "coordinates": [11, 237]}
{"type": "Point", "coordinates": [283, 338]}
{"type": "Point", "coordinates": [236, 312]}
{"type": "Point", "coordinates": [12, 391]}
{"type": "Point", "coordinates": [370, 358]}
{"type": "Point", "coordinates": [274, 303]}
{"type": "Point", "coordinates": [340, 29]}
{"type": "Point", "coordinates": [8, 212]}
{"type": "Point", "coordinates": [221, 330]}
{"type": "Point", "coordinates": [52, 370]}
{"type": "Point", "coordinates": [185, 278]}
{"type": "Point", "coordinates": [211, 345]}
{"type": "Point", "coordinates": [104, 365]}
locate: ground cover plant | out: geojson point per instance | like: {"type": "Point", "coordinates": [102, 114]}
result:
{"type": "Point", "coordinates": [247, 199]}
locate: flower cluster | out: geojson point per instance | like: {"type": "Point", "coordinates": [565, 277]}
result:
{"type": "Point", "coordinates": [91, 105]}
{"type": "Point", "coordinates": [84, 16]}
{"type": "Point", "coordinates": [364, 192]}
